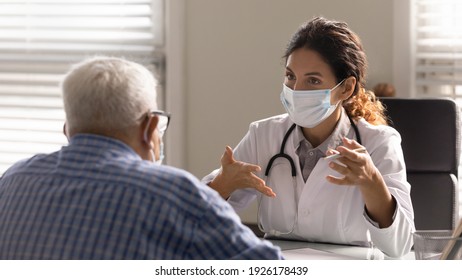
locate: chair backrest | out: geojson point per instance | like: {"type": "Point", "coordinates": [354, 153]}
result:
{"type": "Point", "coordinates": [430, 132]}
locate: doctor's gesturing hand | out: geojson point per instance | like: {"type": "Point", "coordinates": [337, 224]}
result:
{"type": "Point", "coordinates": [237, 175]}
{"type": "Point", "coordinates": [359, 170]}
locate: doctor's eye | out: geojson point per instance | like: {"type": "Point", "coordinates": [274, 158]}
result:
{"type": "Point", "coordinates": [290, 76]}
{"type": "Point", "coordinates": [314, 81]}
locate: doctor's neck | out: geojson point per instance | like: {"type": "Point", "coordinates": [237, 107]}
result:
{"type": "Point", "coordinates": [318, 134]}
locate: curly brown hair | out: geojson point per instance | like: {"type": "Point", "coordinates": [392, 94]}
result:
{"type": "Point", "coordinates": [341, 48]}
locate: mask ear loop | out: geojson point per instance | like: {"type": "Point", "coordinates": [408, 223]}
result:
{"type": "Point", "coordinates": [145, 138]}
{"type": "Point", "coordinates": [145, 134]}
{"type": "Point", "coordinates": [337, 85]}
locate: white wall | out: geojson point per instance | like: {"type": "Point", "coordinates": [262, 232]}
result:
{"type": "Point", "coordinates": [233, 67]}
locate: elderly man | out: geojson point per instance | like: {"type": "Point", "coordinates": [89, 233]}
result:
{"type": "Point", "coordinates": [105, 195]}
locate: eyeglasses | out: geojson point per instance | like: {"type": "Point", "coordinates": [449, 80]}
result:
{"type": "Point", "coordinates": [164, 120]}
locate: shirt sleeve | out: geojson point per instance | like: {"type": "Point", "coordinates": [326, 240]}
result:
{"type": "Point", "coordinates": [374, 223]}
{"type": "Point", "coordinates": [219, 234]}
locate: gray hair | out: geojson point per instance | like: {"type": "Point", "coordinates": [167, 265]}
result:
{"type": "Point", "coordinates": [107, 94]}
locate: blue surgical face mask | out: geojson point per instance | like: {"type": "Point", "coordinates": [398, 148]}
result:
{"type": "Point", "coordinates": [308, 108]}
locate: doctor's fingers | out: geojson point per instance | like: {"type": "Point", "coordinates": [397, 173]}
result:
{"type": "Point", "coordinates": [330, 152]}
{"type": "Point", "coordinates": [349, 154]}
{"type": "Point", "coordinates": [350, 143]}
{"type": "Point", "coordinates": [352, 168]}
{"type": "Point", "coordinates": [247, 167]}
{"type": "Point", "coordinates": [339, 181]}
{"type": "Point", "coordinates": [354, 174]}
{"type": "Point", "coordinates": [259, 184]}
{"type": "Point", "coordinates": [343, 170]}
{"type": "Point", "coordinates": [266, 191]}
{"type": "Point", "coordinates": [352, 171]}
{"type": "Point", "coordinates": [227, 157]}
{"type": "Point", "coordinates": [340, 168]}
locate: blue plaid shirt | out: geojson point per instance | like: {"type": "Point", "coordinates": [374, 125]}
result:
{"type": "Point", "coordinates": [97, 199]}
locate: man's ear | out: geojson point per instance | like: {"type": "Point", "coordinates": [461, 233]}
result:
{"type": "Point", "coordinates": [348, 87]}
{"type": "Point", "coordinates": [148, 126]}
{"type": "Point", "coordinates": [65, 131]}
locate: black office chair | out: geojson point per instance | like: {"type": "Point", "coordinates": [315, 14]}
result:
{"type": "Point", "coordinates": [430, 132]}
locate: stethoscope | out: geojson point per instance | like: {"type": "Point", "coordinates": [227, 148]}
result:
{"type": "Point", "coordinates": [282, 154]}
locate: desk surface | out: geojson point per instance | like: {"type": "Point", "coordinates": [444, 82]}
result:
{"type": "Point", "coordinates": [298, 250]}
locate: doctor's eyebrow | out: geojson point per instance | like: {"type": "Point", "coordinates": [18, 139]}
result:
{"type": "Point", "coordinates": [307, 74]}
{"type": "Point", "coordinates": [313, 74]}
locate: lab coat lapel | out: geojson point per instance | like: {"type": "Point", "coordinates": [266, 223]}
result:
{"type": "Point", "coordinates": [316, 180]}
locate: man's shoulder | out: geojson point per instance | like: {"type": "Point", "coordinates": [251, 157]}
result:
{"type": "Point", "coordinates": [169, 183]}
{"type": "Point", "coordinates": [169, 175]}
{"type": "Point", "coordinates": [35, 163]}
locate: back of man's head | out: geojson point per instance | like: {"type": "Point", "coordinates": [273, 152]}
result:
{"type": "Point", "coordinates": [106, 94]}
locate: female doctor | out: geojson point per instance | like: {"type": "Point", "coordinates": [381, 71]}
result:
{"type": "Point", "coordinates": [362, 195]}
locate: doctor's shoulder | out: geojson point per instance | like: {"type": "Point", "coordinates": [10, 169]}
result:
{"type": "Point", "coordinates": [278, 122]}
{"type": "Point", "coordinates": [378, 134]}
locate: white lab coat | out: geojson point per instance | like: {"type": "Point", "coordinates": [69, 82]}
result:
{"type": "Point", "coordinates": [326, 212]}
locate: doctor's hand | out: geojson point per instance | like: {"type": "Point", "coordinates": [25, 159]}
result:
{"type": "Point", "coordinates": [359, 170]}
{"type": "Point", "coordinates": [356, 167]}
{"type": "Point", "coordinates": [235, 175]}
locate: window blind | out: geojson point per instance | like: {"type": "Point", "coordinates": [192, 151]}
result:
{"type": "Point", "coordinates": [438, 48]}
{"type": "Point", "coordinates": [40, 39]}
{"type": "Point", "coordinates": [437, 30]}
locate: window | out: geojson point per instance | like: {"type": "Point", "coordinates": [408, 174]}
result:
{"type": "Point", "coordinates": [437, 33]}
{"type": "Point", "coordinates": [435, 51]}
{"type": "Point", "coordinates": [40, 39]}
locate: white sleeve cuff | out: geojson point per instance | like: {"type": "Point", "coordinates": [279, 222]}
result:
{"type": "Point", "coordinates": [374, 223]}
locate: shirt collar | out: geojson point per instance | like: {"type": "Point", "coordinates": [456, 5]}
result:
{"type": "Point", "coordinates": [298, 136]}
{"type": "Point", "coordinates": [333, 141]}
{"type": "Point", "coordinates": [340, 131]}
{"type": "Point", "coordinates": [102, 144]}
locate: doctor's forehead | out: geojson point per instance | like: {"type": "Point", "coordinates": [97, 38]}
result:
{"type": "Point", "coordinates": [305, 61]}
